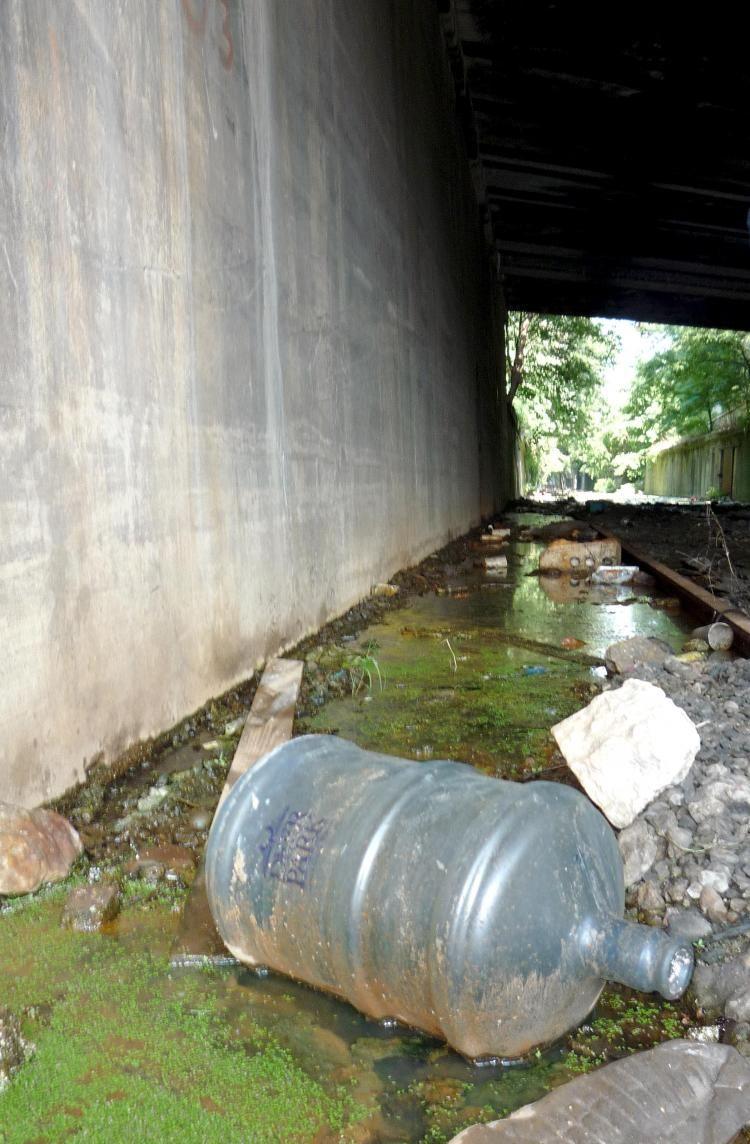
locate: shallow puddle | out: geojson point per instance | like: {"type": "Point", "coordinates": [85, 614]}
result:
{"type": "Point", "coordinates": [129, 1049]}
{"type": "Point", "coordinates": [482, 673]}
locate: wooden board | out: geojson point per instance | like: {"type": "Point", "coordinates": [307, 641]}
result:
{"type": "Point", "coordinates": [268, 725]}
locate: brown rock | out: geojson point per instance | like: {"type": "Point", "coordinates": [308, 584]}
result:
{"type": "Point", "coordinates": [89, 907]}
{"type": "Point", "coordinates": [650, 899]}
{"type": "Point", "coordinates": [712, 904]}
{"type": "Point", "coordinates": [178, 861]}
{"type": "Point", "coordinates": [36, 846]}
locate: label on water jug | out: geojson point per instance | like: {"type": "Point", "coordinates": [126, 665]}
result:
{"type": "Point", "coordinates": [292, 842]}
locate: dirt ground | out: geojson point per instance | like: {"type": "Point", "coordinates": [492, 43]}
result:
{"type": "Point", "coordinates": [708, 543]}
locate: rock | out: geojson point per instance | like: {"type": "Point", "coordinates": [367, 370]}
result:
{"type": "Point", "coordinates": [696, 645]}
{"type": "Point", "coordinates": [153, 798]}
{"type": "Point", "coordinates": [628, 746]}
{"type": "Point", "coordinates": [13, 1048]}
{"type": "Point", "coordinates": [688, 923]}
{"type": "Point", "coordinates": [638, 849]}
{"type": "Point", "coordinates": [713, 985]}
{"type": "Point", "coordinates": [718, 879]}
{"type": "Point", "coordinates": [149, 872]}
{"type": "Point", "coordinates": [152, 863]}
{"type": "Point", "coordinates": [717, 796]}
{"type": "Point", "coordinates": [235, 726]}
{"type": "Point", "coordinates": [384, 590]}
{"type": "Point", "coordinates": [677, 890]}
{"type": "Point", "coordinates": [36, 846]}
{"type": "Point", "coordinates": [680, 1091]}
{"type": "Point", "coordinates": [89, 907]}
{"type": "Point", "coordinates": [712, 904]}
{"type": "Point", "coordinates": [624, 655]}
{"type": "Point", "coordinates": [738, 1006]}
{"type": "Point", "coordinates": [650, 899]}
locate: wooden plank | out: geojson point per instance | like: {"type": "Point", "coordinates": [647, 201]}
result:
{"type": "Point", "coordinates": [270, 720]}
{"type": "Point", "coordinates": [268, 725]}
{"type": "Point", "coordinates": [699, 600]}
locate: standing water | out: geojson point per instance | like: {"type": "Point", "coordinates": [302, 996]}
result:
{"type": "Point", "coordinates": [128, 1049]}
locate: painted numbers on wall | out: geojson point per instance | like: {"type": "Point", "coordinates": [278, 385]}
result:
{"type": "Point", "coordinates": [211, 17]}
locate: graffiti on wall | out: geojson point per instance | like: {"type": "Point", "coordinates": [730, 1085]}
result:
{"type": "Point", "coordinates": [211, 18]}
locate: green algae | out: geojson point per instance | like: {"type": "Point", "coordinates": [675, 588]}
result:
{"type": "Point", "coordinates": [126, 1049]}
{"type": "Point", "coordinates": [461, 693]}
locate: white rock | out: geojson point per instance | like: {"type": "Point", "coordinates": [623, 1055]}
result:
{"type": "Point", "coordinates": [628, 746]}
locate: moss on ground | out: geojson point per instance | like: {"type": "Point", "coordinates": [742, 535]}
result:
{"type": "Point", "coordinates": [456, 693]}
{"type": "Point", "coordinates": [125, 1050]}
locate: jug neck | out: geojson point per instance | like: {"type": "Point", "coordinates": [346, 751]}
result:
{"type": "Point", "coordinates": [639, 956]}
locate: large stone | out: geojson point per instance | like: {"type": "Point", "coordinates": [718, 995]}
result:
{"type": "Point", "coordinates": [36, 846]}
{"type": "Point", "coordinates": [678, 1092]}
{"type": "Point", "coordinates": [626, 655]}
{"type": "Point", "coordinates": [628, 746]}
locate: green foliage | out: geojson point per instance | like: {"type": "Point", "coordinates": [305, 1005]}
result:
{"type": "Point", "coordinates": [364, 667]}
{"type": "Point", "coordinates": [691, 380]}
{"type": "Point", "coordinates": [554, 374]}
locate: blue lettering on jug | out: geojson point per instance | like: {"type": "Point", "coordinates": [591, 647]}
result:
{"type": "Point", "coordinates": [291, 844]}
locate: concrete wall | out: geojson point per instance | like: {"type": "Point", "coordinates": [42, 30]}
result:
{"type": "Point", "coordinates": [718, 461]}
{"type": "Point", "coordinates": [248, 360]}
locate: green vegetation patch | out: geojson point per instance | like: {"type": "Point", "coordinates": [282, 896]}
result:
{"type": "Point", "coordinates": [442, 693]}
{"type": "Point", "coordinates": [125, 1050]}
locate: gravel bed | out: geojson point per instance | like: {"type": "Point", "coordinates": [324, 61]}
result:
{"type": "Point", "coordinates": [687, 855]}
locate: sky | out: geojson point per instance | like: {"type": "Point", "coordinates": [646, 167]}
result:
{"type": "Point", "coordinates": [619, 375]}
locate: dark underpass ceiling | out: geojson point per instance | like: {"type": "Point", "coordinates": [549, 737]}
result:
{"type": "Point", "coordinates": [611, 146]}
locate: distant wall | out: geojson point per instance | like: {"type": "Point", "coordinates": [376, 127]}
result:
{"type": "Point", "coordinates": [719, 461]}
{"type": "Point", "coordinates": [248, 356]}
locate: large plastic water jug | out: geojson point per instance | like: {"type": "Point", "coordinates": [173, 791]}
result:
{"type": "Point", "coordinates": [488, 913]}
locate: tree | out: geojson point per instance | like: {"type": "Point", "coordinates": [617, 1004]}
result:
{"type": "Point", "coordinates": [554, 372]}
{"type": "Point", "coordinates": [684, 387]}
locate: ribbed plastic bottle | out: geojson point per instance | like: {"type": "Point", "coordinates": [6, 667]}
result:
{"type": "Point", "coordinates": [488, 913]}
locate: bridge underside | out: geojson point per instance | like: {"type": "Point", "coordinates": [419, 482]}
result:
{"type": "Point", "coordinates": [612, 155]}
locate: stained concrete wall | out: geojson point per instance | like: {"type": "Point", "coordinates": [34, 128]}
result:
{"type": "Point", "coordinates": [248, 359]}
{"type": "Point", "coordinates": [719, 461]}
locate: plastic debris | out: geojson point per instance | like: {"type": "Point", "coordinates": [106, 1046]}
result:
{"type": "Point", "coordinates": [614, 574]}
{"type": "Point", "coordinates": [678, 1092]}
